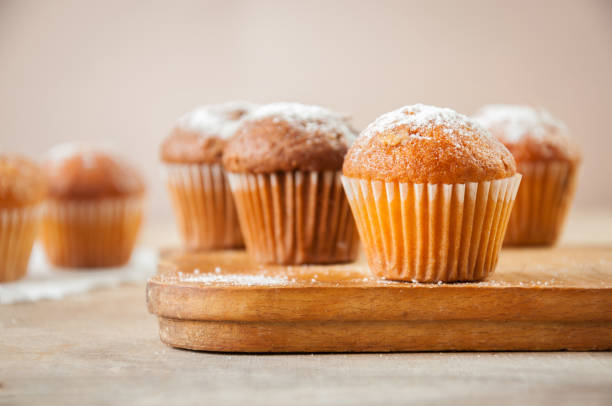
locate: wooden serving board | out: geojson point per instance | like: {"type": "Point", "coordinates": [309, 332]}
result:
{"type": "Point", "coordinates": [539, 299]}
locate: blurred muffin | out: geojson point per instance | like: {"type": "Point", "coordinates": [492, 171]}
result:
{"type": "Point", "coordinates": [94, 208]}
{"type": "Point", "coordinates": [548, 160]}
{"type": "Point", "coordinates": [201, 197]}
{"type": "Point", "coordinates": [431, 193]}
{"type": "Point", "coordinates": [284, 168]}
{"type": "Point", "coordinates": [22, 190]}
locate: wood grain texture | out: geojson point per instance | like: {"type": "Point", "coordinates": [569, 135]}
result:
{"type": "Point", "coordinates": [539, 299]}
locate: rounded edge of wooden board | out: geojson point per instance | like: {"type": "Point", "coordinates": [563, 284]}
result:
{"type": "Point", "coordinates": [375, 303]}
{"type": "Point", "coordinates": [392, 336]}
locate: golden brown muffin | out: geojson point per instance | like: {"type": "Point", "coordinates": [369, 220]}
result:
{"type": "Point", "coordinates": [21, 182]}
{"type": "Point", "coordinates": [202, 201]}
{"type": "Point", "coordinates": [200, 135]}
{"type": "Point", "coordinates": [22, 189]}
{"type": "Point", "coordinates": [94, 208]}
{"type": "Point", "coordinates": [431, 193]}
{"type": "Point", "coordinates": [424, 144]}
{"type": "Point", "coordinates": [284, 165]}
{"type": "Point", "coordinates": [81, 172]}
{"type": "Point", "coordinates": [547, 158]}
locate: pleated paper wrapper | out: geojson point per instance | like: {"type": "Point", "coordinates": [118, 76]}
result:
{"type": "Point", "coordinates": [432, 232]}
{"type": "Point", "coordinates": [204, 207]}
{"type": "Point", "coordinates": [87, 234]}
{"type": "Point", "coordinates": [18, 229]}
{"type": "Point", "coordinates": [542, 203]}
{"type": "Point", "coordinates": [295, 217]}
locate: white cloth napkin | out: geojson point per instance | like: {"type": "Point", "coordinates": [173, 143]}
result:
{"type": "Point", "coordinates": [43, 281]}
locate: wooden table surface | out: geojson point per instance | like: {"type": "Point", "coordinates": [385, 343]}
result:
{"type": "Point", "coordinates": [102, 348]}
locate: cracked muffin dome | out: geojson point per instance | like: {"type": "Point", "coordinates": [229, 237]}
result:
{"type": "Point", "coordinates": [77, 171]}
{"type": "Point", "coordinates": [427, 144]}
{"type": "Point", "coordinates": [200, 136]}
{"type": "Point", "coordinates": [22, 182]}
{"type": "Point", "coordinates": [289, 137]}
{"type": "Point", "coordinates": [530, 134]}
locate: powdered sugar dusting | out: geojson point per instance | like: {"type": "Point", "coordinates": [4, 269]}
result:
{"type": "Point", "coordinates": [418, 118]}
{"type": "Point", "coordinates": [69, 150]}
{"type": "Point", "coordinates": [517, 122]}
{"type": "Point", "coordinates": [309, 118]}
{"type": "Point", "coordinates": [233, 279]}
{"type": "Point", "coordinates": [219, 120]}
{"type": "Point", "coordinates": [87, 153]}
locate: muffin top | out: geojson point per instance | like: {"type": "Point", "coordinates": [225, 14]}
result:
{"type": "Point", "coordinates": [530, 134]}
{"type": "Point", "coordinates": [76, 171]}
{"type": "Point", "coordinates": [289, 137]}
{"type": "Point", "coordinates": [426, 144]}
{"type": "Point", "coordinates": [200, 135]}
{"type": "Point", "coordinates": [22, 182]}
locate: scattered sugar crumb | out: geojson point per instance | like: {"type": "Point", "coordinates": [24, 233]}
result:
{"type": "Point", "coordinates": [234, 279]}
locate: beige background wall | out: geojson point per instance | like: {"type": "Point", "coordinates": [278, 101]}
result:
{"type": "Point", "coordinates": [120, 72]}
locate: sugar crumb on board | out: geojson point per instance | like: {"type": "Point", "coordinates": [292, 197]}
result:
{"type": "Point", "coordinates": [233, 279]}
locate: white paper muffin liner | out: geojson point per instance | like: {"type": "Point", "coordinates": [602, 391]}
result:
{"type": "Point", "coordinates": [18, 229]}
{"type": "Point", "coordinates": [295, 217]}
{"type": "Point", "coordinates": [91, 233]}
{"type": "Point", "coordinates": [432, 232]}
{"type": "Point", "coordinates": [204, 207]}
{"type": "Point", "coordinates": [542, 203]}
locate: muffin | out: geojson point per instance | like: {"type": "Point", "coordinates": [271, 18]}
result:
{"type": "Point", "coordinates": [431, 193]}
{"type": "Point", "coordinates": [94, 208]}
{"type": "Point", "coordinates": [203, 204]}
{"type": "Point", "coordinates": [284, 168]}
{"type": "Point", "coordinates": [22, 190]}
{"type": "Point", "coordinates": [548, 160]}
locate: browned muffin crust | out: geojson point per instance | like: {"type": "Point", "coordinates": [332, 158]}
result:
{"type": "Point", "coordinates": [531, 135]}
{"type": "Point", "coordinates": [426, 144]}
{"type": "Point", "coordinates": [82, 172]}
{"type": "Point", "coordinates": [22, 182]}
{"type": "Point", "coordinates": [189, 147]}
{"type": "Point", "coordinates": [289, 137]}
{"type": "Point", "coordinates": [200, 136]}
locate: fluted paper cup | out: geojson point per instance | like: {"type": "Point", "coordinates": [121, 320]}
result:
{"type": "Point", "coordinates": [432, 232]}
{"type": "Point", "coordinates": [295, 217]}
{"type": "Point", "coordinates": [203, 206]}
{"type": "Point", "coordinates": [18, 228]}
{"type": "Point", "coordinates": [84, 234]}
{"type": "Point", "coordinates": [542, 203]}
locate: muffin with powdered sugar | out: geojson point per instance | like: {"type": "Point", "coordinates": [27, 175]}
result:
{"type": "Point", "coordinates": [431, 193]}
{"type": "Point", "coordinates": [548, 158]}
{"type": "Point", "coordinates": [192, 154]}
{"type": "Point", "coordinates": [94, 208]}
{"type": "Point", "coordinates": [284, 166]}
